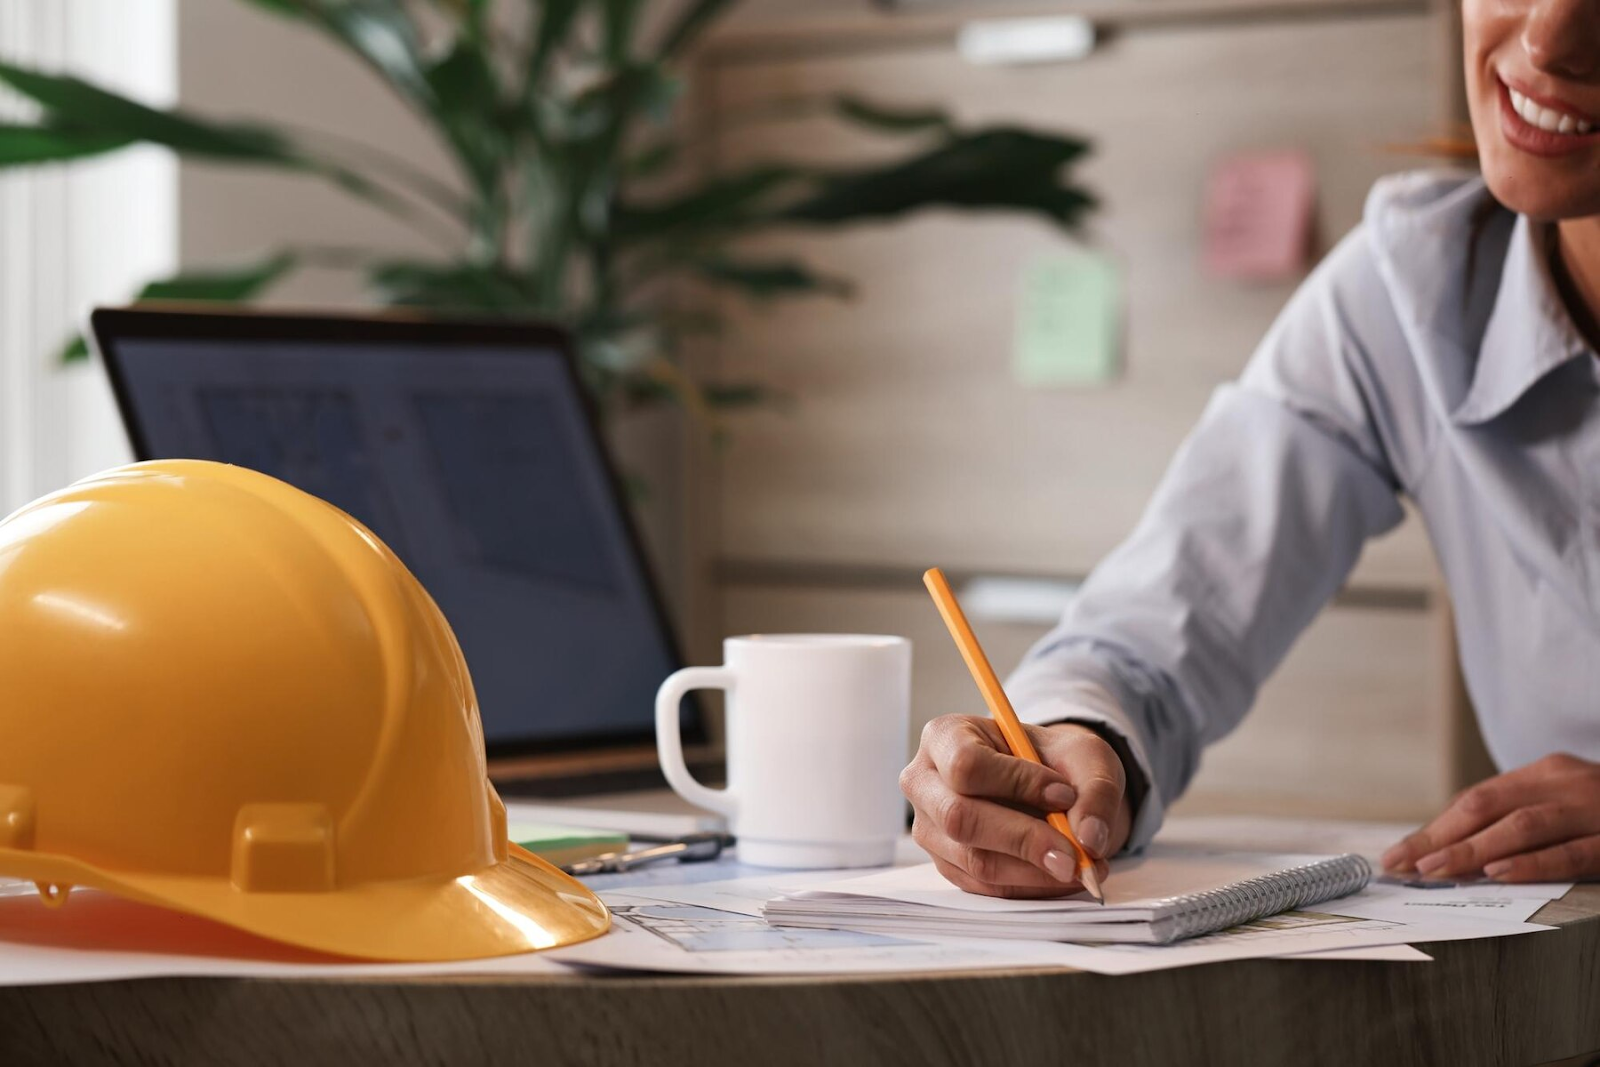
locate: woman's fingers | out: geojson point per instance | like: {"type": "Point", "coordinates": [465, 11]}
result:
{"type": "Point", "coordinates": [984, 825]}
{"type": "Point", "coordinates": [1574, 860]}
{"type": "Point", "coordinates": [1523, 830]}
{"type": "Point", "coordinates": [1474, 809]}
{"type": "Point", "coordinates": [1557, 779]}
{"type": "Point", "coordinates": [965, 752]}
{"type": "Point", "coordinates": [958, 876]}
{"type": "Point", "coordinates": [1099, 817]}
{"type": "Point", "coordinates": [997, 873]}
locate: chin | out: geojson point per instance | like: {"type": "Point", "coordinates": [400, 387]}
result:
{"type": "Point", "coordinates": [1532, 172]}
{"type": "Point", "coordinates": [1545, 190]}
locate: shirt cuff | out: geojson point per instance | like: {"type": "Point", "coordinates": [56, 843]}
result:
{"type": "Point", "coordinates": [1088, 703]}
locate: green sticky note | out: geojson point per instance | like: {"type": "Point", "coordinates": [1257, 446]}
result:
{"type": "Point", "coordinates": [1069, 318]}
{"type": "Point", "coordinates": [565, 844]}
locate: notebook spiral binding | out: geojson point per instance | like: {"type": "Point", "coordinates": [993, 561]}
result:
{"type": "Point", "coordinates": [1255, 898]}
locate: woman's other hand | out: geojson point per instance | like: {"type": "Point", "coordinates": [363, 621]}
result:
{"type": "Point", "coordinates": [1539, 823]}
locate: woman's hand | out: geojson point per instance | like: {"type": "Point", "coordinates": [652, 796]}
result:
{"type": "Point", "coordinates": [978, 808]}
{"type": "Point", "coordinates": [1539, 823]}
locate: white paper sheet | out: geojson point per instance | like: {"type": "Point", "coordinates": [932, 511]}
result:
{"type": "Point", "coordinates": [1375, 954]}
{"type": "Point", "coordinates": [1287, 935]}
{"type": "Point", "coordinates": [1489, 902]}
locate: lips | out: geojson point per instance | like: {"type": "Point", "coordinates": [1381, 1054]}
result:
{"type": "Point", "coordinates": [1548, 119]}
{"type": "Point", "coordinates": [1543, 127]}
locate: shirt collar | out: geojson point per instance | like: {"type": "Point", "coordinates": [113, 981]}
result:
{"type": "Point", "coordinates": [1529, 332]}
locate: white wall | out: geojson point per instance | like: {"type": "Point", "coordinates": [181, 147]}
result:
{"type": "Point", "coordinates": [75, 236]}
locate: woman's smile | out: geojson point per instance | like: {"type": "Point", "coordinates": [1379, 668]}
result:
{"type": "Point", "coordinates": [1541, 126]}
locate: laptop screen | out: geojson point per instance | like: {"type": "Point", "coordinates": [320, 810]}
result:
{"type": "Point", "coordinates": [471, 453]}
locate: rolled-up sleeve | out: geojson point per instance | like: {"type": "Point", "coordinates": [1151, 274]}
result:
{"type": "Point", "coordinates": [1256, 524]}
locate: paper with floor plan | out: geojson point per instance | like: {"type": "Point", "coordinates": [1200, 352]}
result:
{"type": "Point", "coordinates": [653, 935]}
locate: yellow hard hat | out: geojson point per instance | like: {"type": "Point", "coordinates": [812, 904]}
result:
{"type": "Point", "coordinates": [225, 696]}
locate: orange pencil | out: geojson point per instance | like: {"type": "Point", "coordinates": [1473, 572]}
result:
{"type": "Point", "coordinates": [1000, 707]}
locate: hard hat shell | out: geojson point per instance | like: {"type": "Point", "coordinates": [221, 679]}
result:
{"type": "Point", "coordinates": [225, 696]}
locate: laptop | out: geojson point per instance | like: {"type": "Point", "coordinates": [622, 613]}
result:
{"type": "Point", "coordinates": [471, 449]}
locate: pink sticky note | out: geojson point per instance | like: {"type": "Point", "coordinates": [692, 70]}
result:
{"type": "Point", "coordinates": [1258, 216]}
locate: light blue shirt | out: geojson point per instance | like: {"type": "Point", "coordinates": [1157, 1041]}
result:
{"type": "Point", "coordinates": [1431, 356]}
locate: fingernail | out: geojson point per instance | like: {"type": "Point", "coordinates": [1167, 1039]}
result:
{"type": "Point", "coordinates": [1094, 834]}
{"type": "Point", "coordinates": [1498, 868]}
{"type": "Point", "coordinates": [1060, 866]}
{"type": "Point", "coordinates": [1431, 862]}
{"type": "Point", "coordinates": [1059, 796]}
{"type": "Point", "coordinates": [1391, 859]}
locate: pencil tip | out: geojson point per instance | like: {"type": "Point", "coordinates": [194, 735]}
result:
{"type": "Point", "coordinates": [1091, 882]}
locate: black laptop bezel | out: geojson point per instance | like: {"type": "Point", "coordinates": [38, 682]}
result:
{"type": "Point", "coordinates": [524, 339]}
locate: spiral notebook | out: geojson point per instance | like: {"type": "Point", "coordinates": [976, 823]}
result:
{"type": "Point", "coordinates": [1164, 895]}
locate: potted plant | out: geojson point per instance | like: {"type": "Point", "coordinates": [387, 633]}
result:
{"type": "Point", "coordinates": [558, 117]}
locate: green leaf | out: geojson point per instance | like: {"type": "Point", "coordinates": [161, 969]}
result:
{"type": "Point", "coordinates": [223, 286]}
{"type": "Point", "coordinates": [690, 24]}
{"type": "Point", "coordinates": [463, 82]}
{"type": "Point", "coordinates": [618, 19]}
{"type": "Point", "coordinates": [991, 170]}
{"type": "Point", "coordinates": [556, 18]}
{"type": "Point", "coordinates": [227, 285]}
{"type": "Point", "coordinates": [653, 158]}
{"type": "Point", "coordinates": [285, 8]}
{"type": "Point", "coordinates": [41, 144]}
{"type": "Point", "coordinates": [466, 99]}
{"type": "Point", "coordinates": [722, 203]}
{"type": "Point", "coordinates": [743, 395]}
{"type": "Point", "coordinates": [76, 107]}
{"type": "Point", "coordinates": [75, 349]}
{"type": "Point", "coordinates": [450, 287]}
{"type": "Point", "coordinates": [610, 103]}
{"type": "Point", "coordinates": [381, 33]}
{"type": "Point", "coordinates": [477, 16]}
{"type": "Point", "coordinates": [770, 278]}
{"type": "Point", "coordinates": [74, 104]}
{"type": "Point", "coordinates": [891, 119]}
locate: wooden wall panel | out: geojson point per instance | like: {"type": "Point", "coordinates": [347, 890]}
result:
{"type": "Point", "coordinates": [1351, 726]}
{"type": "Point", "coordinates": [909, 441]}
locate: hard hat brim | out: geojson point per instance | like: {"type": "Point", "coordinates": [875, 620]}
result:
{"type": "Point", "coordinates": [523, 904]}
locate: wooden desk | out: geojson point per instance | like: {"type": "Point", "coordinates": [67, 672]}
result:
{"type": "Point", "coordinates": [1516, 1000]}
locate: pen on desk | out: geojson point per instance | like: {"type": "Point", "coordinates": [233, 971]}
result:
{"type": "Point", "coordinates": [691, 848]}
{"type": "Point", "coordinates": [1005, 717]}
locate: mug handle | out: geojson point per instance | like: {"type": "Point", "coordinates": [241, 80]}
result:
{"type": "Point", "coordinates": [669, 742]}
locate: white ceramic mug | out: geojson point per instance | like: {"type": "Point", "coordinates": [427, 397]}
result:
{"type": "Point", "coordinates": [816, 738]}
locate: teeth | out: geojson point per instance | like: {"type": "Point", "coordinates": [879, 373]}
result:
{"type": "Point", "coordinates": [1545, 118]}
